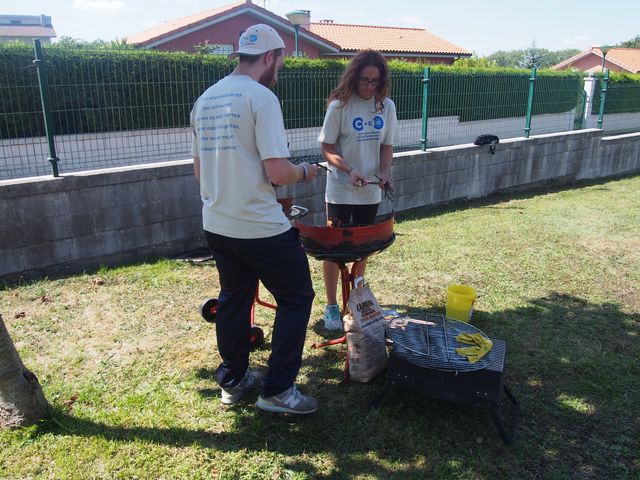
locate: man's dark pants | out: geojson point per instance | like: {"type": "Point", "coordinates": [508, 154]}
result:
{"type": "Point", "coordinates": [280, 263]}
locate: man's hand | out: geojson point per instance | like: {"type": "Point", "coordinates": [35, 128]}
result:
{"type": "Point", "coordinates": [312, 172]}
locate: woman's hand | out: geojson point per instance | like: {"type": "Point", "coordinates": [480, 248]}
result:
{"type": "Point", "coordinates": [357, 180]}
{"type": "Point", "coordinates": [385, 182]}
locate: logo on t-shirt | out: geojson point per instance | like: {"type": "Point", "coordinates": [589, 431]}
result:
{"type": "Point", "coordinates": [359, 123]}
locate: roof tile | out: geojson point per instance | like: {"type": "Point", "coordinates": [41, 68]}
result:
{"type": "Point", "coordinates": [629, 57]}
{"type": "Point", "coordinates": [179, 24]}
{"type": "Point", "coordinates": [385, 39]}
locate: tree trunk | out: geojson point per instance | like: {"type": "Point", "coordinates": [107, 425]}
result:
{"type": "Point", "coordinates": [21, 399]}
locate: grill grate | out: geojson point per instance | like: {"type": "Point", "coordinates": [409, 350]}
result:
{"type": "Point", "coordinates": [432, 342]}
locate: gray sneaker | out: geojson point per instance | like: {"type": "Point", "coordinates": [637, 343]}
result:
{"type": "Point", "coordinates": [250, 381]}
{"type": "Point", "coordinates": [289, 401]}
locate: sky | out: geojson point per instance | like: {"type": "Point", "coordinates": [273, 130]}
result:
{"type": "Point", "coordinates": [482, 27]}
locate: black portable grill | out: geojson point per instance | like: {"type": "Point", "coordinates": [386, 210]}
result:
{"type": "Point", "coordinates": [484, 386]}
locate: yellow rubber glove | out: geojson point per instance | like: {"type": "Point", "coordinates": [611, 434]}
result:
{"type": "Point", "coordinates": [481, 346]}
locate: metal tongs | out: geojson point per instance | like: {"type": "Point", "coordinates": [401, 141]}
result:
{"type": "Point", "coordinates": [386, 187]}
{"type": "Point", "coordinates": [319, 165]}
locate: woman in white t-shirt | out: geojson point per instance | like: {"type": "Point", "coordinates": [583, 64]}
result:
{"type": "Point", "coordinates": [357, 142]}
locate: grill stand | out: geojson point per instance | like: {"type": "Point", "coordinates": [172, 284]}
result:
{"type": "Point", "coordinates": [347, 278]}
{"type": "Point", "coordinates": [342, 245]}
{"type": "Point", "coordinates": [483, 387]}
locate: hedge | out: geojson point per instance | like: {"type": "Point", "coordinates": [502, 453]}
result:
{"type": "Point", "coordinates": [623, 93]}
{"type": "Point", "coordinates": [105, 90]}
{"type": "Point", "coordinates": [109, 90]}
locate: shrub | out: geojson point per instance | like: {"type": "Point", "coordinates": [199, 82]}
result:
{"type": "Point", "coordinates": [97, 90]}
{"type": "Point", "coordinates": [623, 93]}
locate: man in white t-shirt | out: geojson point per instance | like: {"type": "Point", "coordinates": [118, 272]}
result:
{"type": "Point", "coordinates": [240, 152]}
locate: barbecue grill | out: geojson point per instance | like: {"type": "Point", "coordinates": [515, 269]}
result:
{"type": "Point", "coordinates": [423, 360]}
{"type": "Point", "coordinates": [346, 244]}
{"type": "Point", "coordinates": [422, 357]}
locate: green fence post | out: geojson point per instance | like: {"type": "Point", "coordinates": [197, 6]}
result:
{"type": "Point", "coordinates": [532, 91]}
{"type": "Point", "coordinates": [425, 107]}
{"type": "Point", "coordinates": [603, 96]}
{"type": "Point", "coordinates": [42, 85]}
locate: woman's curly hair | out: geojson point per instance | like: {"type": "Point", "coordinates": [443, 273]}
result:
{"type": "Point", "coordinates": [351, 76]}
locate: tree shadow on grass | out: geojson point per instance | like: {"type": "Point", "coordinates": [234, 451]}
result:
{"type": "Point", "coordinates": [573, 366]}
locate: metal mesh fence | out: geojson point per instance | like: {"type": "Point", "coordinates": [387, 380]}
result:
{"type": "Point", "coordinates": [132, 108]}
{"type": "Point", "coordinates": [465, 105]}
{"type": "Point", "coordinates": [406, 92]}
{"type": "Point", "coordinates": [303, 96]}
{"type": "Point", "coordinates": [462, 107]}
{"type": "Point", "coordinates": [23, 152]}
{"type": "Point", "coordinates": [104, 113]}
{"type": "Point", "coordinates": [622, 106]}
{"type": "Point", "coordinates": [106, 116]}
{"type": "Point", "coordinates": [558, 104]}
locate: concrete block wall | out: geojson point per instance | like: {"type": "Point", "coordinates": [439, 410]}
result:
{"type": "Point", "coordinates": [80, 221]}
{"type": "Point", "coordinates": [615, 155]}
{"type": "Point", "coordinates": [459, 172]}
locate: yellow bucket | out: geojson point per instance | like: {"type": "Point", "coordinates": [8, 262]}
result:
{"type": "Point", "coordinates": [460, 300]}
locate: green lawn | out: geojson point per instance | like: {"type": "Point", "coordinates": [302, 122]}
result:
{"type": "Point", "coordinates": [128, 364]}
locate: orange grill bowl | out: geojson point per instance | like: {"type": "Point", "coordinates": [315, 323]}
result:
{"type": "Point", "coordinates": [356, 236]}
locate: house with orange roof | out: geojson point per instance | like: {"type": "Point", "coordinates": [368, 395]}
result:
{"type": "Point", "coordinates": [221, 28]}
{"type": "Point", "coordinates": [615, 59]}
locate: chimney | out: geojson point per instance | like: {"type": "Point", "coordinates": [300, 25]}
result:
{"type": "Point", "coordinates": [43, 21]}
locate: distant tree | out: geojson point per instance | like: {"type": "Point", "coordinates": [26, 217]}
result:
{"type": "Point", "coordinates": [553, 58]}
{"type": "Point", "coordinates": [21, 399]}
{"type": "Point", "coordinates": [474, 61]}
{"type": "Point", "coordinates": [544, 58]}
{"type": "Point", "coordinates": [506, 58]}
{"type": "Point", "coordinates": [532, 56]}
{"type": "Point", "coordinates": [70, 42]}
{"type": "Point", "coordinates": [633, 43]}
{"type": "Point", "coordinates": [115, 44]}
{"type": "Point", "coordinates": [120, 44]}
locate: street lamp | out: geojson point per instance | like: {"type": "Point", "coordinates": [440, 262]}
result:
{"type": "Point", "coordinates": [297, 18]}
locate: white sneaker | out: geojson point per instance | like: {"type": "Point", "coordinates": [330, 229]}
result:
{"type": "Point", "coordinates": [332, 318]}
{"type": "Point", "coordinates": [289, 401]}
{"type": "Point", "coordinates": [250, 381]}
